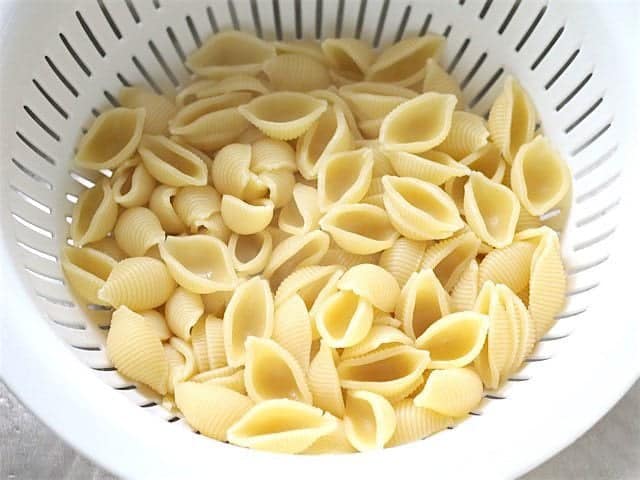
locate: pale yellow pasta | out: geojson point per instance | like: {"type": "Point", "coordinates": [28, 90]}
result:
{"type": "Point", "coordinates": [214, 333]}
{"type": "Point", "coordinates": [403, 258]}
{"type": "Point", "coordinates": [465, 291]}
{"type": "Point", "coordinates": [383, 318]}
{"type": "Point", "coordinates": [510, 266]}
{"type": "Point", "coordinates": [283, 115]}
{"type": "Point", "coordinates": [330, 134]}
{"type": "Point", "coordinates": [488, 161]}
{"type": "Point", "coordinates": [308, 282]}
{"type": "Point", "coordinates": [436, 79]}
{"type": "Point", "coordinates": [422, 302]}
{"type": "Point", "coordinates": [281, 425]}
{"type": "Point", "coordinates": [268, 155]}
{"type": "Point", "coordinates": [86, 271]}
{"type": "Point", "coordinates": [344, 178]}
{"type": "Point", "coordinates": [213, 226]}
{"type": "Point", "coordinates": [216, 302]}
{"type": "Point", "coordinates": [132, 184]}
{"type": "Point", "coordinates": [182, 362]}
{"type": "Point", "coordinates": [196, 203]}
{"type": "Point", "coordinates": [94, 216]}
{"type": "Point", "coordinates": [539, 176]}
{"type": "Point", "coordinates": [378, 336]}
{"type": "Point", "coordinates": [161, 203]}
{"type": "Point", "coordinates": [393, 372]}
{"type": "Point", "coordinates": [344, 319]}
{"type": "Point", "coordinates": [369, 420]}
{"type": "Point", "coordinates": [137, 230]}
{"type": "Point", "coordinates": [250, 253]}
{"type": "Point", "coordinates": [420, 210]}
{"type": "Point", "coordinates": [158, 323]}
{"type": "Point", "coordinates": [512, 119]}
{"type": "Point", "coordinates": [170, 163]}
{"type": "Point", "coordinates": [310, 48]}
{"type": "Point", "coordinates": [296, 72]}
{"type": "Point", "coordinates": [416, 423]}
{"type": "Point", "coordinates": [229, 53]}
{"type": "Point", "coordinates": [337, 256]}
{"type": "Point", "coordinates": [452, 392]}
{"type": "Point", "coordinates": [404, 127]}
{"type": "Point", "coordinates": [199, 263]}
{"type": "Point", "coordinates": [182, 311]}
{"type": "Point", "coordinates": [371, 101]}
{"type": "Point", "coordinates": [450, 257]}
{"type": "Point", "coordinates": [324, 381]}
{"type": "Point", "coordinates": [527, 221]}
{"type": "Point", "coordinates": [301, 214]}
{"type": "Point", "coordinates": [228, 377]}
{"type": "Point", "coordinates": [234, 83]}
{"type": "Point", "coordinates": [292, 329]}
{"type": "Point", "coordinates": [433, 166]}
{"type": "Point", "coordinates": [524, 326]}
{"type": "Point", "coordinates": [246, 218]}
{"type": "Point", "coordinates": [359, 228]}
{"type": "Point", "coordinates": [109, 246]}
{"type": "Point", "coordinates": [335, 442]}
{"type": "Point", "coordinates": [140, 283]}
{"type": "Point", "coordinates": [112, 138]}
{"type": "Point", "coordinates": [159, 109]}
{"type": "Point", "coordinates": [373, 283]}
{"type": "Point", "coordinates": [455, 340]}
{"type": "Point", "coordinates": [491, 210]}
{"type": "Point", "coordinates": [249, 313]}
{"type": "Point", "coordinates": [232, 174]}
{"type": "Point", "coordinates": [349, 58]}
{"type": "Point", "coordinates": [333, 99]}
{"type": "Point", "coordinates": [381, 163]}
{"type": "Point", "coordinates": [211, 409]}
{"type": "Point", "coordinates": [468, 133]}
{"type": "Point", "coordinates": [280, 185]}
{"type": "Point", "coordinates": [191, 92]}
{"type": "Point", "coordinates": [136, 351]}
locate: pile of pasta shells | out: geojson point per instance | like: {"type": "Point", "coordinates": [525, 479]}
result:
{"type": "Point", "coordinates": [314, 247]}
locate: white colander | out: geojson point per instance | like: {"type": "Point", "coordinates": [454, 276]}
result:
{"type": "Point", "coordinates": [63, 62]}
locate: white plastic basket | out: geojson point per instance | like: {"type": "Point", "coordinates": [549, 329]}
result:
{"type": "Point", "coordinates": [63, 62]}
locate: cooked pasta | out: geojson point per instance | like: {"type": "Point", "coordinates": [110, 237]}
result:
{"type": "Point", "coordinates": [246, 218]}
{"type": "Point", "coordinates": [86, 270]}
{"type": "Point", "coordinates": [449, 258]}
{"type": "Point", "coordinates": [344, 319]}
{"type": "Point", "coordinates": [161, 203]}
{"type": "Point", "coordinates": [372, 283]}
{"type": "Point", "coordinates": [182, 362]}
{"type": "Point", "coordinates": [337, 256]}
{"type": "Point", "coordinates": [228, 377]}
{"type": "Point", "coordinates": [308, 48]}
{"type": "Point", "coordinates": [170, 163]}
{"type": "Point", "coordinates": [452, 392]}
{"type": "Point", "coordinates": [296, 72]}
{"type": "Point", "coordinates": [158, 323]}
{"type": "Point", "coordinates": [379, 335]}
{"type": "Point", "coordinates": [510, 266]}
{"type": "Point", "coordinates": [369, 420]}
{"type": "Point", "coordinates": [292, 329]}
{"type": "Point", "coordinates": [301, 214]}
{"type": "Point", "coordinates": [372, 101]}
{"type": "Point", "coordinates": [137, 230]}
{"type": "Point", "coordinates": [109, 246]}
{"type": "Point", "coordinates": [333, 99]}
{"type": "Point", "coordinates": [95, 214]}
{"type": "Point", "coordinates": [465, 291]}
{"type": "Point", "coordinates": [334, 442]}
{"type": "Point", "coordinates": [194, 204]}
{"type": "Point", "coordinates": [433, 166]}
{"type": "Point", "coordinates": [269, 155]}
{"type": "Point", "coordinates": [214, 333]}
{"type": "Point", "coordinates": [467, 134]}
{"type": "Point", "coordinates": [324, 381]}
{"type": "Point", "coordinates": [159, 109]}
{"type": "Point", "coordinates": [213, 226]}
{"type": "Point", "coordinates": [132, 184]}
{"type": "Point", "coordinates": [349, 58]}
{"type": "Point", "coordinates": [234, 83]}
{"type": "Point", "coordinates": [436, 79]}
{"type": "Point", "coordinates": [182, 310]}
{"type": "Point", "coordinates": [416, 423]}
{"type": "Point", "coordinates": [250, 253]}
{"type": "Point", "coordinates": [344, 178]}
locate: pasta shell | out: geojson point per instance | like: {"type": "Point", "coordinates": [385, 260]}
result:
{"type": "Point", "coordinates": [211, 409]}
{"type": "Point", "coordinates": [403, 62]}
{"type": "Point", "coordinates": [136, 351]}
{"type": "Point", "coordinates": [468, 134]}
{"type": "Point", "coordinates": [292, 329]}
{"type": "Point", "coordinates": [371, 101]}
{"type": "Point", "coordinates": [309, 48]}
{"type": "Point", "coordinates": [235, 83]}
{"type": "Point", "coordinates": [349, 58]}
{"type": "Point", "coordinates": [199, 263]}
{"type": "Point", "coordinates": [422, 302]}
{"type": "Point", "coordinates": [196, 203]}
{"type": "Point", "coordinates": [455, 340]}
{"type": "Point", "coordinates": [295, 252]}
{"type": "Point", "coordinates": [361, 229]}
{"type": "Point", "coordinates": [132, 184]}
{"type": "Point", "coordinates": [302, 214]}
{"type": "Point", "coordinates": [338, 256]}
{"type": "Point", "coordinates": [344, 319]}
{"type": "Point", "coordinates": [161, 203]}
{"type": "Point", "coordinates": [216, 302]}
{"type": "Point", "coordinates": [404, 127]}
{"type": "Point", "coordinates": [527, 221]}
{"type": "Point", "coordinates": [140, 283]}
{"type": "Point", "coordinates": [94, 216]}
{"type": "Point", "coordinates": [403, 258]}
{"type": "Point", "coordinates": [159, 109]}
{"type": "Point", "coordinates": [330, 134]}
{"type": "Point", "coordinates": [158, 323]}
{"type": "Point", "coordinates": [199, 345]}
{"type": "Point", "coordinates": [231, 172]}
{"type": "Point", "coordinates": [420, 210]}
{"type": "Point", "coordinates": [333, 99]}
{"type": "Point", "coordinates": [272, 372]}
{"type": "Point", "coordinates": [268, 155]}
{"type": "Point", "coordinates": [369, 420]}
{"type": "Point", "coordinates": [373, 283]}
{"type": "Point", "coordinates": [137, 230]}
{"type": "Point", "coordinates": [491, 210]}
{"type": "Point", "coordinates": [283, 115]}
{"type": "Point", "coordinates": [108, 246]}
{"type": "Point", "coordinates": [344, 178]}
{"type": "Point", "coordinates": [295, 72]}
{"type": "Point", "coordinates": [213, 226]}
{"type": "Point", "coordinates": [510, 266]}
{"type": "Point", "coordinates": [182, 362]}
{"type": "Point", "coordinates": [464, 294]}
{"type": "Point", "coordinates": [381, 163]}
{"type": "Point", "coordinates": [249, 313]}
{"type": "Point", "coordinates": [280, 184]}
{"type": "Point", "coordinates": [488, 161]}
{"type": "Point", "coordinates": [281, 425]}
{"type": "Point", "coordinates": [392, 372]}
{"type": "Point", "coordinates": [191, 92]}
{"type": "Point", "coordinates": [379, 335]}
{"type": "Point", "coordinates": [227, 377]}
{"type": "Point", "coordinates": [170, 163]}
{"type": "Point", "coordinates": [335, 442]}
{"type": "Point", "coordinates": [539, 176]}
{"type": "Point", "coordinates": [525, 328]}
{"type": "Point", "coordinates": [416, 423]}
{"type": "Point", "coordinates": [214, 333]}
{"type": "Point", "coordinates": [512, 119]}
{"type": "Point", "coordinates": [210, 123]}
{"type": "Point", "coordinates": [250, 253]}
{"type": "Point", "coordinates": [246, 218]}
{"type": "Point", "coordinates": [449, 258]}
{"type": "Point", "coordinates": [230, 53]}
{"type": "Point", "coordinates": [86, 270]}
{"type": "Point", "coordinates": [436, 79]}
{"type": "Point", "coordinates": [112, 138]}
{"type": "Point", "coordinates": [325, 383]}
{"type": "Point", "coordinates": [382, 318]}
{"type": "Point", "coordinates": [453, 392]}
{"type": "Point", "coordinates": [434, 167]}
{"type": "Point", "coordinates": [182, 311]}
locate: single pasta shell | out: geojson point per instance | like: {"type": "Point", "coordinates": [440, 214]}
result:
{"type": "Point", "coordinates": [193, 204]}
{"type": "Point", "coordinates": [450, 257]}
{"type": "Point", "coordinates": [159, 109]}
{"type": "Point", "coordinates": [137, 230]}
{"type": "Point", "coordinates": [161, 203]}
{"type": "Point", "coordinates": [369, 421]}
{"type": "Point", "coordinates": [108, 246]}
{"type": "Point", "coordinates": [335, 442]}
{"type": "Point", "coordinates": [183, 310]}
{"type": "Point", "coordinates": [310, 48]}
{"type": "Point", "coordinates": [338, 256]}
{"type": "Point", "coordinates": [199, 345]}
{"type": "Point", "coordinates": [280, 185]}
{"type": "Point", "coordinates": [292, 329]}
{"type": "Point", "coordinates": [344, 178]}
{"type": "Point", "coordinates": [350, 57]}
{"type": "Point", "coordinates": [464, 294]}
{"type": "Point", "coordinates": [325, 383]}
{"type": "Point", "coordinates": [86, 270]}
{"type": "Point", "coordinates": [95, 214]}
{"type": "Point", "coordinates": [246, 218]}
{"type": "Point", "coordinates": [268, 155]}
{"type": "Point", "coordinates": [510, 266]}
{"type": "Point", "coordinates": [170, 163]}
{"type": "Point", "coordinates": [250, 253]}
{"type": "Point", "coordinates": [235, 83]}
{"type": "Point", "coordinates": [227, 377]}
{"type": "Point", "coordinates": [488, 161]}
{"type": "Point", "coordinates": [333, 99]}
{"type": "Point", "coordinates": [231, 173]}
{"type": "Point", "coordinates": [468, 134]}
{"type": "Point", "coordinates": [158, 323]}
{"type": "Point", "coordinates": [436, 79]}
{"type": "Point", "coordinates": [378, 336]}
{"type": "Point", "coordinates": [296, 72]}
{"type": "Point", "coordinates": [308, 282]}
{"type": "Point", "coordinates": [372, 283]}
{"type": "Point", "coordinates": [416, 423]}
{"type": "Point", "coordinates": [344, 319]}
{"type": "Point", "coordinates": [433, 166]}
{"type": "Point", "coordinates": [213, 226]}
{"type": "Point", "coordinates": [403, 258]}
{"type": "Point", "coordinates": [453, 392]}
{"type": "Point", "coordinates": [371, 100]}
{"type": "Point", "coordinates": [213, 330]}
{"type": "Point", "coordinates": [132, 184]}
{"type": "Point", "coordinates": [301, 214]}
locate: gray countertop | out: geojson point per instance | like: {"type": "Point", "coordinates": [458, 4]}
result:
{"type": "Point", "coordinates": [609, 451]}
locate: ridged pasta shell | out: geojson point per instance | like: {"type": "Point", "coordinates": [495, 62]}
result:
{"type": "Point", "coordinates": [488, 161]}
{"type": "Point", "coordinates": [161, 203]}
{"type": "Point", "coordinates": [112, 138]}
{"type": "Point", "coordinates": [420, 210]}
{"type": "Point", "coordinates": [230, 53]}
{"type": "Point", "coordinates": [216, 302]}
{"type": "Point", "coordinates": [524, 325]}
{"type": "Point", "coordinates": [199, 345]}
{"type": "Point", "coordinates": [249, 313]}
{"type": "Point", "coordinates": [108, 246]}
{"type": "Point", "coordinates": [86, 270]}
{"type": "Point", "coordinates": [422, 302]}
{"type": "Point", "coordinates": [199, 263]}
{"type": "Point", "coordinates": [158, 323]}
{"type": "Point", "coordinates": [136, 351]}
{"type": "Point", "coordinates": [371, 101]}
{"type": "Point", "coordinates": [182, 311]}
{"type": "Point", "coordinates": [235, 83]}
{"type": "Point", "coordinates": [369, 420]}
{"type": "Point", "coordinates": [309, 48]}
{"type": "Point", "coordinates": [539, 176]}
{"type": "Point", "coordinates": [338, 256]}
{"type": "Point", "coordinates": [231, 172]}
{"type": "Point", "coordinates": [333, 99]}
{"type": "Point", "coordinates": [381, 163]}
{"type": "Point", "coordinates": [140, 283]}
{"type": "Point", "coordinates": [281, 425]}
{"type": "Point", "coordinates": [295, 72]}
{"type": "Point", "coordinates": [308, 282]}
{"type": "Point", "coordinates": [95, 214]}
{"type": "Point", "coordinates": [335, 442]}
{"type": "Point", "coordinates": [416, 423]}
{"type": "Point", "coordinates": [137, 230]}
{"type": "Point", "coordinates": [250, 253]}
{"type": "Point", "coordinates": [382, 318]}
{"type": "Point", "coordinates": [436, 79]}
{"type": "Point", "coordinates": [391, 372]}
{"type": "Point", "coordinates": [191, 92]}
{"type": "Point", "coordinates": [455, 340]}
{"type": "Point", "coordinates": [434, 167]}
{"type": "Point", "coordinates": [450, 257]}
{"type": "Point", "coordinates": [344, 319]}
{"type": "Point", "coordinates": [159, 109]}
{"type": "Point", "coordinates": [373, 283]}
{"type": "Point", "coordinates": [349, 58]}
{"type": "Point", "coordinates": [295, 252]}
{"type": "Point", "coordinates": [227, 377]}
{"type": "Point", "coordinates": [404, 127]}
{"type": "Point", "coordinates": [268, 155]}
{"type": "Point", "coordinates": [344, 178]}
{"type": "Point", "coordinates": [280, 184]}
{"type": "Point", "coordinates": [510, 266]}
{"type": "Point", "coordinates": [325, 383]}
{"type": "Point", "coordinates": [512, 119]}
{"type": "Point", "coordinates": [132, 184]}
{"type": "Point", "coordinates": [170, 163]}
{"type": "Point", "coordinates": [196, 203]}
{"type": "Point", "coordinates": [453, 392]}
{"type": "Point", "coordinates": [214, 332]}
{"type": "Point", "coordinates": [379, 335]}
{"type": "Point", "coordinates": [302, 214]}
{"type": "Point", "coordinates": [527, 221]}
{"type": "Point", "coordinates": [468, 133]}
{"type": "Point", "coordinates": [330, 134]}
{"type": "Point", "coordinates": [361, 229]}
{"type": "Point", "coordinates": [246, 218]}
{"type": "Point", "coordinates": [213, 226]}
{"type": "Point", "coordinates": [292, 329]}
{"type": "Point", "coordinates": [403, 258]}
{"type": "Point", "coordinates": [272, 372]}
{"type": "Point", "coordinates": [283, 115]}
{"type": "Point", "coordinates": [464, 293]}
{"type": "Point", "coordinates": [182, 362]}
{"type": "Point", "coordinates": [211, 409]}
